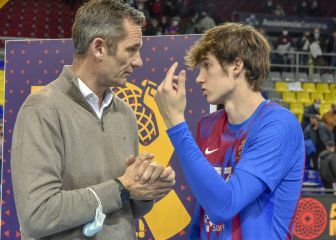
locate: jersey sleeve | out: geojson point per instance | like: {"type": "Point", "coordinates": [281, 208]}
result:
{"type": "Point", "coordinates": [194, 226]}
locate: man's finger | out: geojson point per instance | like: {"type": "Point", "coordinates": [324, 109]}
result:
{"type": "Point", "coordinates": [166, 172]}
{"type": "Point", "coordinates": [164, 184]}
{"type": "Point", "coordinates": [141, 158]}
{"type": "Point", "coordinates": [146, 156]}
{"type": "Point", "coordinates": [130, 160]}
{"type": "Point", "coordinates": [169, 178]}
{"type": "Point", "coordinates": [147, 174]}
{"type": "Point", "coordinates": [168, 81]}
{"type": "Point", "coordinates": [181, 82]}
{"type": "Point", "coordinates": [141, 169]}
{"type": "Point", "coordinates": [157, 172]}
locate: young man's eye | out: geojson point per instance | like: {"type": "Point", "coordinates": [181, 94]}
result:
{"type": "Point", "coordinates": [205, 65]}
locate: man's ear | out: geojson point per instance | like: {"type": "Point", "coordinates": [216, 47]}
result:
{"type": "Point", "coordinates": [98, 48]}
{"type": "Point", "coordinates": [238, 66]}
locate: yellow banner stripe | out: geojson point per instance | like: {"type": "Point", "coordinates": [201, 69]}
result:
{"type": "Point", "coordinates": [3, 2]}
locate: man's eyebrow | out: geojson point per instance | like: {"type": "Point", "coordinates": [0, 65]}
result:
{"type": "Point", "coordinates": [139, 44]}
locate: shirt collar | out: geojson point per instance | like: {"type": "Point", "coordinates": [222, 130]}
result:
{"type": "Point", "coordinates": [85, 90]}
{"type": "Point", "coordinates": [88, 94]}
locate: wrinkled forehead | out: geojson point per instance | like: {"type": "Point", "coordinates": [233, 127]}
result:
{"type": "Point", "coordinates": [132, 31]}
{"type": "Point", "coordinates": [131, 27]}
{"type": "Point", "coordinates": [131, 37]}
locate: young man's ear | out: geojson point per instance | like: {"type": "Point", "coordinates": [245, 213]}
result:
{"type": "Point", "coordinates": [238, 66]}
{"type": "Point", "coordinates": [97, 48]}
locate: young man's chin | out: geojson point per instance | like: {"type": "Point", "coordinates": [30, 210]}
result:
{"type": "Point", "coordinates": [212, 101]}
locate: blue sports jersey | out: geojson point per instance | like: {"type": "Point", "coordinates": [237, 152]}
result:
{"type": "Point", "coordinates": [246, 178]}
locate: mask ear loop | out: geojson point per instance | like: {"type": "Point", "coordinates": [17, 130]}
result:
{"type": "Point", "coordinates": [95, 226]}
{"type": "Point", "coordinates": [96, 196]}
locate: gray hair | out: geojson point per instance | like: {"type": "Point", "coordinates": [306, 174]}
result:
{"type": "Point", "coordinates": [102, 19]}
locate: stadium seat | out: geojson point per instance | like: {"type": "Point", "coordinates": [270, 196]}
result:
{"type": "Point", "coordinates": [268, 86]}
{"type": "Point", "coordinates": [288, 76]}
{"type": "Point", "coordinates": [327, 78]}
{"type": "Point", "coordinates": [318, 95]}
{"type": "Point", "coordinates": [332, 87]}
{"type": "Point", "coordinates": [281, 87]}
{"type": "Point", "coordinates": [303, 97]}
{"type": "Point", "coordinates": [330, 97]}
{"type": "Point", "coordinates": [324, 107]}
{"type": "Point", "coordinates": [274, 76]}
{"type": "Point", "coordinates": [301, 77]}
{"type": "Point", "coordinates": [274, 96]}
{"type": "Point", "coordinates": [297, 109]}
{"type": "Point", "coordinates": [294, 86]}
{"type": "Point", "coordinates": [315, 77]}
{"type": "Point", "coordinates": [289, 97]}
{"type": "Point", "coordinates": [322, 87]}
{"type": "Point", "coordinates": [309, 87]}
{"type": "Point", "coordinates": [22, 17]}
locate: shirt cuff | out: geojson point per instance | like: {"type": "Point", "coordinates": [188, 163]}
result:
{"type": "Point", "coordinates": [177, 128]}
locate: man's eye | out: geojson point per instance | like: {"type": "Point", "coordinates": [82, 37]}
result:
{"type": "Point", "coordinates": [133, 49]}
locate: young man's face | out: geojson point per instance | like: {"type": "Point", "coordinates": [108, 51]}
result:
{"type": "Point", "coordinates": [216, 85]}
{"type": "Point", "coordinates": [116, 68]}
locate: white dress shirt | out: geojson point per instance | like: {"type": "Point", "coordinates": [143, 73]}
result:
{"type": "Point", "coordinates": [93, 100]}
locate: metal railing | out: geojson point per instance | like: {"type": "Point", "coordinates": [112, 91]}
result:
{"type": "Point", "coordinates": [299, 61]}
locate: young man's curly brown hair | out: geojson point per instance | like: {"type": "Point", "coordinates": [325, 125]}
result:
{"type": "Point", "coordinates": [234, 40]}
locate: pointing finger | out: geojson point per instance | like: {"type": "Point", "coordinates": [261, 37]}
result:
{"type": "Point", "coordinates": [168, 81]}
{"type": "Point", "coordinates": [181, 82]}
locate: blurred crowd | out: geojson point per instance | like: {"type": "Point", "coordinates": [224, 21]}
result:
{"type": "Point", "coordinates": [313, 45]}
{"type": "Point", "coordinates": [196, 16]}
{"type": "Point", "coordinates": [173, 17]}
{"type": "Point", "coordinates": [320, 135]}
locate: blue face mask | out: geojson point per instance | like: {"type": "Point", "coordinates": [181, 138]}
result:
{"type": "Point", "coordinates": [91, 228]}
